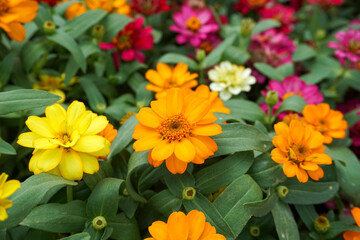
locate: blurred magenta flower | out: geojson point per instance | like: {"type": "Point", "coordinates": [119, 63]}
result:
{"type": "Point", "coordinates": [281, 13]}
{"type": "Point", "coordinates": [130, 42]}
{"type": "Point", "coordinates": [193, 26]}
{"type": "Point", "coordinates": [149, 7]}
{"type": "Point", "coordinates": [326, 2]}
{"type": "Point", "coordinates": [245, 6]}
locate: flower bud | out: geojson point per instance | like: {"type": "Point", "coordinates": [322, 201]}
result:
{"type": "Point", "coordinates": [189, 193]}
{"type": "Point", "coordinates": [98, 31]}
{"type": "Point", "coordinates": [99, 222]}
{"type": "Point", "coordinates": [272, 98]}
{"type": "Point", "coordinates": [49, 27]}
{"type": "Point", "coordinates": [321, 224]}
{"type": "Point", "coordinates": [125, 192]}
{"type": "Point", "coordinates": [200, 55]}
{"type": "Point", "coordinates": [282, 191]}
{"type": "Point", "coordinates": [247, 25]}
{"type": "Point", "coordinates": [320, 34]}
{"type": "Point", "coordinates": [254, 231]}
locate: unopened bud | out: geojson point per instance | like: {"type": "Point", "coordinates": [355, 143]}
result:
{"type": "Point", "coordinates": [321, 224]}
{"type": "Point", "coordinates": [99, 222]}
{"type": "Point", "coordinates": [98, 31]}
{"type": "Point", "coordinates": [272, 98]}
{"type": "Point", "coordinates": [189, 193]}
{"type": "Point", "coordinates": [200, 55]}
{"type": "Point", "coordinates": [254, 231]}
{"type": "Point", "coordinates": [282, 191]}
{"type": "Point", "coordinates": [320, 34]}
{"type": "Point", "coordinates": [247, 25]}
{"type": "Point", "coordinates": [49, 27]}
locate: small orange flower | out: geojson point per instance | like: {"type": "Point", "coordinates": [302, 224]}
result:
{"type": "Point", "coordinates": [75, 10]}
{"type": "Point", "coordinates": [291, 116]}
{"type": "Point", "coordinates": [167, 77]}
{"type": "Point", "coordinates": [126, 117]}
{"type": "Point", "coordinates": [13, 13]}
{"type": "Point", "coordinates": [352, 235]}
{"type": "Point", "coordinates": [328, 122]}
{"type": "Point", "coordinates": [176, 129]}
{"type": "Point", "coordinates": [192, 226]}
{"type": "Point", "coordinates": [108, 133]}
{"type": "Point", "coordinates": [300, 149]}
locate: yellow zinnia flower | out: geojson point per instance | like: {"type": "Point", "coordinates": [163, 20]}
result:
{"type": "Point", "coordinates": [167, 77]}
{"type": "Point", "coordinates": [66, 142]}
{"type": "Point", "coordinates": [192, 226]}
{"type": "Point", "coordinates": [13, 13]}
{"type": "Point", "coordinates": [6, 189]}
{"type": "Point", "coordinates": [177, 129]}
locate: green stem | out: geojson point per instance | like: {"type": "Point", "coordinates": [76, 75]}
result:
{"type": "Point", "coordinates": [338, 79]}
{"type": "Point", "coordinates": [269, 117]}
{"type": "Point", "coordinates": [69, 193]}
{"type": "Point", "coordinates": [201, 77]}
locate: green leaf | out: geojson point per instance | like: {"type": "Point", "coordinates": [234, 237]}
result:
{"type": "Point", "coordinates": [309, 192]}
{"type": "Point", "coordinates": [80, 24]}
{"type": "Point", "coordinates": [165, 202]}
{"type": "Point", "coordinates": [303, 52]}
{"type": "Point", "coordinates": [78, 236]}
{"type": "Point", "coordinates": [6, 148]}
{"type": "Point", "coordinates": [230, 203]}
{"type": "Point", "coordinates": [124, 228]}
{"type": "Point", "coordinates": [176, 58]}
{"type": "Point", "coordinates": [32, 191]}
{"type": "Point", "coordinates": [286, 227]}
{"type": "Point", "coordinates": [58, 218]}
{"type": "Point", "coordinates": [6, 67]}
{"type": "Point", "coordinates": [123, 137]}
{"type": "Point", "coordinates": [71, 69]}
{"type": "Point", "coordinates": [31, 53]}
{"type": "Point", "coordinates": [308, 214]}
{"type": "Point", "coordinates": [269, 71]}
{"type": "Point", "coordinates": [66, 41]}
{"type": "Point", "coordinates": [293, 103]}
{"type": "Point", "coordinates": [248, 111]}
{"type": "Point", "coordinates": [177, 182]}
{"type": "Point", "coordinates": [222, 173]}
{"type": "Point", "coordinates": [264, 25]}
{"type": "Point", "coordinates": [286, 69]}
{"type": "Point", "coordinates": [322, 67]}
{"type": "Point", "coordinates": [352, 117]}
{"type": "Point", "coordinates": [106, 170]}
{"type": "Point", "coordinates": [263, 207]}
{"type": "Point", "coordinates": [352, 79]}
{"type": "Point", "coordinates": [236, 55]}
{"type": "Point", "coordinates": [104, 199]}
{"type": "Point", "coordinates": [318, 21]}
{"type": "Point", "coordinates": [339, 227]}
{"type": "Point", "coordinates": [96, 99]}
{"type": "Point", "coordinates": [212, 215]}
{"type": "Point", "coordinates": [215, 56]}
{"type": "Point", "coordinates": [245, 136]}
{"type": "Point", "coordinates": [266, 172]}
{"type": "Point", "coordinates": [113, 23]}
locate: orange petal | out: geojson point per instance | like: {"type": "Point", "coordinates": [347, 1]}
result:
{"type": "Point", "coordinates": [209, 142]}
{"type": "Point", "coordinates": [315, 140]}
{"type": "Point", "coordinates": [290, 168]}
{"type": "Point", "coordinates": [201, 148]}
{"type": "Point", "coordinates": [155, 78]}
{"type": "Point", "coordinates": [141, 131]}
{"type": "Point", "coordinates": [174, 101]}
{"type": "Point", "coordinates": [197, 112]}
{"type": "Point", "coordinates": [301, 175]}
{"type": "Point", "coordinates": [282, 129]}
{"type": "Point", "coordinates": [309, 166]}
{"type": "Point", "coordinates": [207, 130]}
{"type": "Point", "coordinates": [158, 230]}
{"type": "Point", "coordinates": [159, 107]}
{"type": "Point", "coordinates": [162, 150]}
{"type": "Point", "coordinates": [178, 226]}
{"type": "Point", "coordinates": [148, 117]}
{"type": "Point", "coordinates": [196, 220]}
{"type": "Point", "coordinates": [175, 165]}
{"type": "Point", "coordinates": [356, 214]}
{"type": "Point", "coordinates": [317, 174]}
{"type": "Point", "coordinates": [164, 71]}
{"type": "Point", "coordinates": [214, 237]}
{"type": "Point", "coordinates": [319, 158]}
{"type": "Point", "coordinates": [279, 156]}
{"type": "Point", "coordinates": [184, 150]}
{"type": "Point", "coordinates": [208, 230]}
{"type": "Point", "coordinates": [147, 142]}
{"type": "Point", "coordinates": [153, 162]}
{"type": "Point", "coordinates": [296, 131]}
{"type": "Point", "coordinates": [351, 235]}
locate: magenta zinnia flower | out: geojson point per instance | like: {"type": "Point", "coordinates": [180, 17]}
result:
{"type": "Point", "coordinates": [293, 85]}
{"type": "Point", "coordinates": [245, 6]}
{"type": "Point", "coordinates": [130, 42]}
{"type": "Point", "coordinates": [149, 7]}
{"type": "Point", "coordinates": [348, 46]}
{"type": "Point", "coordinates": [281, 13]}
{"type": "Point", "coordinates": [193, 26]}
{"type": "Point", "coordinates": [326, 2]}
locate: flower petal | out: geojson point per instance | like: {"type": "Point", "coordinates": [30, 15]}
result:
{"type": "Point", "coordinates": [147, 142]}
{"type": "Point", "coordinates": [178, 226]}
{"type": "Point", "coordinates": [158, 230]}
{"type": "Point", "coordinates": [289, 169]}
{"type": "Point", "coordinates": [162, 150]}
{"type": "Point", "coordinates": [175, 165]}
{"type": "Point", "coordinates": [207, 130]}
{"type": "Point", "coordinates": [27, 139]}
{"type": "Point", "coordinates": [97, 124]}
{"type": "Point", "coordinates": [90, 163]}
{"type": "Point", "coordinates": [90, 143]}
{"type": "Point", "coordinates": [40, 126]}
{"type": "Point", "coordinates": [9, 188]}
{"type": "Point", "coordinates": [184, 150]}
{"type": "Point", "coordinates": [56, 115]}
{"type": "Point", "coordinates": [196, 220]}
{"type": "Point", "coordinates": [148, 117]}
{"type": "Point", "coordinates": [71, 166]}
{"type": "Point", "coordinates": [50, 159]}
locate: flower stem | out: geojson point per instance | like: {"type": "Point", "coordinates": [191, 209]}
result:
{"type": "Point", "coordinates": [269, 117]}
{"type": "Point", "coordinates": [201, 77]}
{"type": "Point", "coordinates": [338, 79]}
{"type": "Point", "coordinates": [69, 193]}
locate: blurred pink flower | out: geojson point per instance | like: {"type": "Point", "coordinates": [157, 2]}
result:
{"type": "Point", "coordinates": [348, 46]}
{"type": "Point", "coordinates": [130, 41]}
{"type": "Point", "coordinates": [193, 26]}
{"type": "Point", "coordinates": [281, 13]}
{"type": "Point", "coordinates": [326, 2]}
{"type": "Point", "coordinates": [149, 7]}
{"type": "Point", "coordinates": [271, 47]}
{"type": "Point", "coordinates": [245, 6]}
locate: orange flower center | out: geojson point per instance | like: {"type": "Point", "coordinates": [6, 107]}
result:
{"type": "Point", "coordinates": [291, 94]}
{"type": "Point", "coordinates": [4, 6]}
{"type": "Point", "coordinates": [298, 152]}
{"type": "Point", "coordinates": [206, 46]}
{"type": "Point", "coordinates": [193, 24]}
{"type": "Point", "coordinates": [322, 127]}
{"type": "Point", "coordinates": [175, 128]}
{"type": "Point", "coordinates": [256, 3]}
{"type": "Point", "coordinates": [123, 41]}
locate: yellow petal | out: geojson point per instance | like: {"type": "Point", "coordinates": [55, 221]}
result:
{"type": "Point", "coordinates": [104, 151]}
{"type": "Point", "coordinates": [9, 188]}
{"type": "Point", "coordinates": [33, 162]}
{"type": "Point", "coordinates": [71, 166]}
{"type": "Point", "coordinates": [90, 163]}
{"type": "Point", "coordinates": [45, 143]}
{"type": "Point", "coordinates": [3, 178]}
{"type": "Point", "coordinates": [75, 109]}
{"type": "Point", "coordinates": [83, 122]}
{"type": "Point", "coordinates": [50, 159]}
{"type": "Point", "coordinates": [163, 150]}
{"type": "Point", "coordinates": [6, 203]}
{"type": "Point", "coordinates": [56, 115]}
{"type": "Point", "coordinates": [27, 139]}
{"type": "Point", "coordinates": [158, 230]}
{"type": "Point", "coordinates": [40, 126]}
{"type": "Point", "coordinates": [97, 125]}
{"type": "Point", "coordinates": [89, 143]}
{"type": "Point", "coordinates": [178, 226]}
{"type": "Point", "coordinates": [3, 214]}
{"type": "Point", "coordinates": [184, 150]}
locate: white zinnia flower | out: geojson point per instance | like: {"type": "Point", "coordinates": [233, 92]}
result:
{"type": "Point", "coordinates": [230, 79]}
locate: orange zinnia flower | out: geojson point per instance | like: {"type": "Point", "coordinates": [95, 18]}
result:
{"type": "Point", "coordinates": [300, 148]}
{"type": "Point", "coordinates": [180, 226]}
{"type": "Point", "coordinates": [328, 122]}
{"type": "Point", "coordinates": [216, 103]}
{"type": "Point", "coordinates": [15, 12]}
{"type": "Point", "coordinates": [167, 77]}
{"type": "Point", "coordinates": [75, 10]}
{"type": "Point", "coordinates": [352, 235]}
{"type": "Point", "coordinates": [177, 129]}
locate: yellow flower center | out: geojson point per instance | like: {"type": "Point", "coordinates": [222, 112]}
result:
{"type": "Point", "coordinates": [4, 6]}
{"type": "Point", "coordinates": [193, 24]}
{"type": "Point", "coordinates": [66, 141]}
{"type": "Point", "coordinates": [298, 152]}
{"type": "Point", "coordinates": [175, 128]}
{"type": "Point", "coordinates": [354, 46]}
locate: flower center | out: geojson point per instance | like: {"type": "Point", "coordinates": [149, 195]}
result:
{"type": "Point", "coordinates": [206, 46]}
{"type": "Point", "coordinates": [354, 46]}
{"type": "Point", "coordinates": [65, 140]}
{"type": "Point", "coordinates": [322, 126]}
{"type": "Point", "coordinates": [175, 128]}
{"type": "Point", "coordinates": [193, 24]}
{"type": "Point", "coordinates": [299, 152]}
{"type": "Point", "coordinates": [256, 3]}
{"type": "Point", "coordinates": [124, 40]}
{"type": "Point", "coordinates": [4, 6]}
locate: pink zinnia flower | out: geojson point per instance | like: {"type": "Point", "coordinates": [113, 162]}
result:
{"type": "Point", "coordinates": [130, 41]}
{"type": "Point", "coordinates": [271, 47]}
{"type": "Point", "coordinates": [193, 26]}
{"type": "Point", "coordinates": [293, 85]}
{"type": "Point", "coordinates": [245, 6]}
{"type": "Point", "coordinates": [149, 7]}
{"type": "Point", "coordinates": [348, 46]}
{"type": "Point", "coordinates": [326, 2]}
{"type": "Point", "coordinates": [281, 13]}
